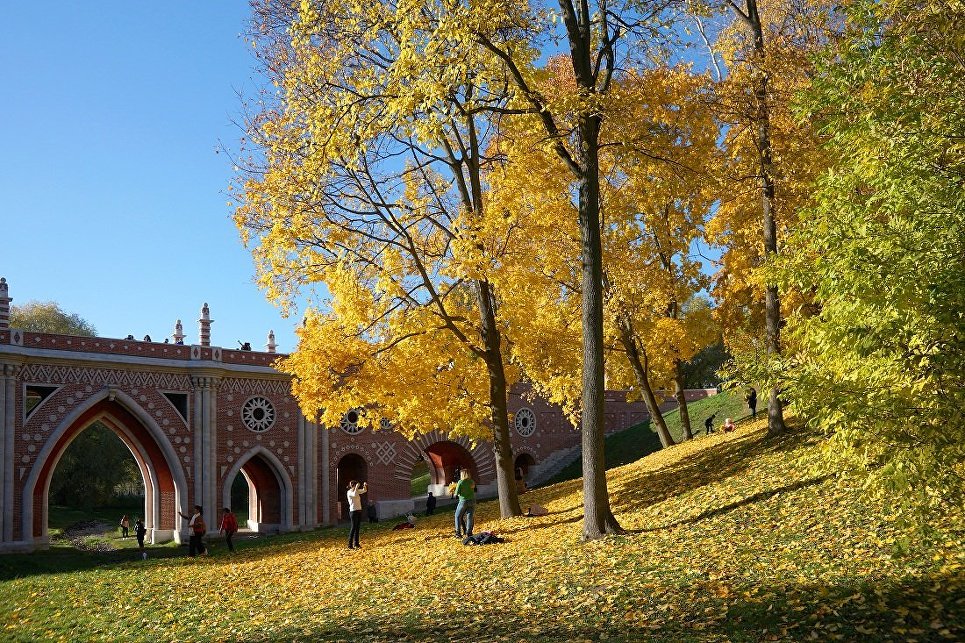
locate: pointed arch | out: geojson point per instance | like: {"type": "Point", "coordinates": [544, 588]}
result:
{"type": "Point", "coordinates": [257, 455]}
{"type": "Point", "coordinates": [164, 478]}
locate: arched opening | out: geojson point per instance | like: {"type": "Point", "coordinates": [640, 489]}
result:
{"type": "Point", "coordinates": [153, 457]}
{"type": "Point", "coordinates": [446, 461]}
{"type": "Point", "coordinates": [97, 491]}
{"type": "Point", "coordinates": [420, 479]}
{"type": "Point", "coordinates": [258, 492]}
{"type": "Point", "coordinates": [521, 471]}
{"type": "Point", "coordinates": [350, 467]}
{"type": "Point", "coordinates": [240, 497]}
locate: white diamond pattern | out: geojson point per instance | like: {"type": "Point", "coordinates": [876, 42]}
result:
{"type": "Point", "coordinates": [384, 451]}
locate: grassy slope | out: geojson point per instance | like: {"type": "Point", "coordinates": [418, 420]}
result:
{"type": "Point", "coordinates": [729, 538]}
{"type": "Point", "coordinates": [641, 440]}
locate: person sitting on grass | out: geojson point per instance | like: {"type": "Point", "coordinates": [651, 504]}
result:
{"type": "Point", "coordinates": [729, 425]}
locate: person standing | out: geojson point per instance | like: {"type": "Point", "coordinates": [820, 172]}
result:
{"type": "Point", "coordinates": [139, 531]}
{"type": "Point", "coordinates": [752, 401]}
{"type": "Point", "coordinates": [709, 424]}
{"type": "Point", "coordinates": [466, 492]}
{"type": "Point", "coordinates": [197, 528]}
{"type": "Point", "coordinates": [229, 525]}
{"type": "Point", "coordinates": [430, 504]}
{"type": "Point", "coordinates": [125, 526]}
{"type": "Point", "coordinates": [354, 496]}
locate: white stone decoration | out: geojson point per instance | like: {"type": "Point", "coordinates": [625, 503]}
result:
{"type": "Point", "coordinates": [384, 451]}
{"type": "Point", "coordinates": [258, 414]}
{"type": "Point", "coordinates": [525, 422]}
{"type": "Point", "coordinates": [350, 422]}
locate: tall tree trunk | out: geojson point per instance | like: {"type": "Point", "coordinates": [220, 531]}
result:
{"type": "Point", "coordinates": [502, 447]}
{"type": "Point", "coordinates": [762, 130]}
{"type": "Point", "coordinates": [641, 370]}
{"type": "Point", "coordinates": [680, 393]}
{"type": "Point", "coordinates": [598, 518]}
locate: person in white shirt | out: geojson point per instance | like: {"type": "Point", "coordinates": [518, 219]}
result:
{"type": "Point", "coordinates": [354, 495]}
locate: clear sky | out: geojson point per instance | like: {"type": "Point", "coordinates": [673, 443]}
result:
{"type": "Point", "coordinates": [113, 197]}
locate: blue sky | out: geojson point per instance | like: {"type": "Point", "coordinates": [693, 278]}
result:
{"type": "Point", "coordinates": [114, 197]}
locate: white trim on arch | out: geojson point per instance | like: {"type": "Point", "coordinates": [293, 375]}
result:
{"type": "Point", "coordinates": [287, 494]}
{"type": "Point", "coordinates": [131, 406]}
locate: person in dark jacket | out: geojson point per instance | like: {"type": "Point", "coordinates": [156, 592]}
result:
{"type": "Point", "coordinates": [752, 401]}
{"type": "Point", "coordinates": [430, 504]}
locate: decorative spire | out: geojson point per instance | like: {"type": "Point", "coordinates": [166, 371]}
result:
{"type": "Point", "coordinates": [204, 325]}
{"type": "Point", "coordinates": [271, 345]}
{"type": "Point", "coordinates": [4, 304]}
{"type": "Point", "coordinates": [178, 335]}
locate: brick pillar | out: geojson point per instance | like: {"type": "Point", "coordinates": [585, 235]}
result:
{"type": "Point", "coordinates": [8, 428]}
{"type": "Point", "coordinates": [205, 436]}
{"type": "Point", "coordinates": [271, 345]}
{"type": "Point", "coordinates": [204, 326]}
{"type": "Point", "coordinates": [5, 304]}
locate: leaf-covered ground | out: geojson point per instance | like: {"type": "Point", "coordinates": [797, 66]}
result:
{"type": "Point", "coordinates": [728, 539]}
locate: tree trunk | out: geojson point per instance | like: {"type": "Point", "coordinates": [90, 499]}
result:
{"type": "Point", "coordinates": [679, 392]}
{"type": "Point", "coordinates": [598, 518]}
{"type": "Point", "coordinates": [643, 379]}
{"type": "Point", "coordinates": [762, 124]}
{"type": "Point", "coordinates": [502, 446]}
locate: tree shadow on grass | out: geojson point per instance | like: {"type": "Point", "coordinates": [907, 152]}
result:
{"type": "Point", "coordinates": [749, 500]}
{"type": "Point", "coordinates": [928, 608]}
{"type": "Point", "coordinates": [709, 466]}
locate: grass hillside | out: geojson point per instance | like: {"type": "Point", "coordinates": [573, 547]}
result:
{"type": "Point", "coordinates": [728, 539]}
{"type": "Point", "coordinates": [641, 439]}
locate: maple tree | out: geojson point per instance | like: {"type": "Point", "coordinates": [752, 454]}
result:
{"type": "Point", "coordinates": [373, 184]}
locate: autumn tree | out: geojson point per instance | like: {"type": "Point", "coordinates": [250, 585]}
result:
{"type": "Point", "coordinates": [655, 198]}
{"type": "Point", "coordinates": [49, 317]}
{"type": "Point", "coordinates": [771, 160]}
{"type": "Point", "coordinates": [597, 36]}
{"type": "Point", "coordinates": [373, 183]}
{"type": "Point", "coordinates": [880, 357]}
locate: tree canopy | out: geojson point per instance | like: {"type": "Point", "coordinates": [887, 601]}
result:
{"type": "Point", "coordinates": [49, 317]}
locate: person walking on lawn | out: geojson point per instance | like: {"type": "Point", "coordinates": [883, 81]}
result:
{"type": "Point", "coordinates": [229, 525]}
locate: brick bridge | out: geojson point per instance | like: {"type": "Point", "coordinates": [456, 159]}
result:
{"type": "Point", "coordinates": [194, 416]}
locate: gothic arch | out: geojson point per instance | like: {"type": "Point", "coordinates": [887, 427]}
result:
{"type": "Point", "coordinates": [164, 480]}
{"type": "Point", "coordinates": [256, 456]}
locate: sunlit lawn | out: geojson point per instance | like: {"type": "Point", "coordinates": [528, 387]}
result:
{"type": "Point", "coordinates": [728, 538]}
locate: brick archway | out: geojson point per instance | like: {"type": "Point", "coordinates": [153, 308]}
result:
{"type": "Point", "coordinates": [269, 490]}
{"type": "Point", "coordinates": [164, 481]}
{"type": "Point", "coordinates": [446, 459]}
{"type": "Point", "coordinates": [443, 458]}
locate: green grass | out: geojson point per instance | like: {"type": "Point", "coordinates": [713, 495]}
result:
{"type": "Point", "coordinates": [641, 440]}
{"type": "Point", "coordinates": [420, 479]}
{"type": "Point", "coordinates": [729, 537]}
